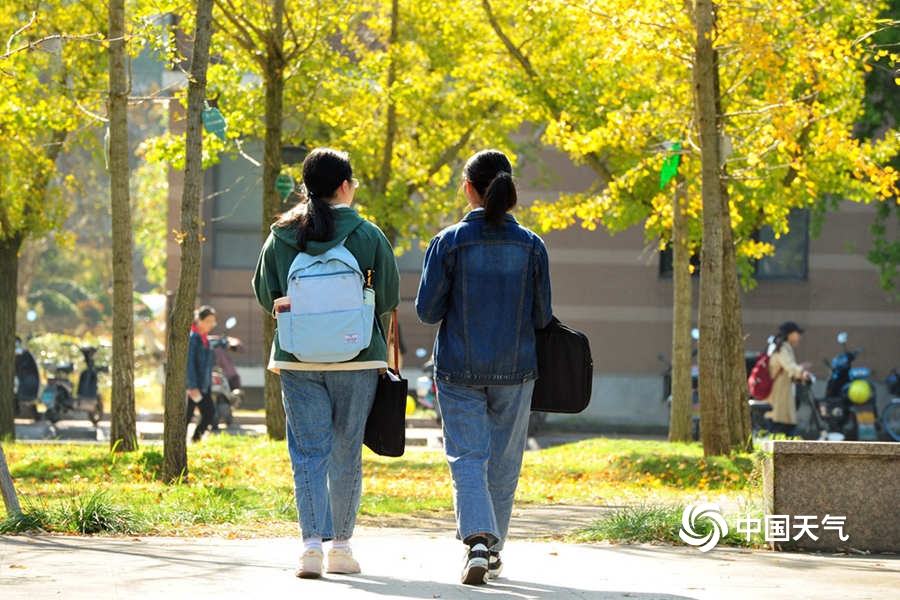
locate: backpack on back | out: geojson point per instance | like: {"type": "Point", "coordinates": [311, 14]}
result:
{"type": "Point", "coordinates": [759, 380]}
{"type": "Point", "coordinates": [331, 309]}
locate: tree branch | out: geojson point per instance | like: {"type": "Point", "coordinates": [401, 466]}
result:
{"type": "Point", "coordinates": [599, 165]}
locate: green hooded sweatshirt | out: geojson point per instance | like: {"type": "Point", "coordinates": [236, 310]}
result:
{"type": "Point", "coordinates": [369, 246]}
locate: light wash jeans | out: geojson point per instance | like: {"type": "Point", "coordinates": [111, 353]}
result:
{"type": "Point", "coordinates": [485, 430]}
{"type": "Point", "coordinates": [326, 418]}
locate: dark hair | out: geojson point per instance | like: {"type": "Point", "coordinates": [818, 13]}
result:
{"type": "Point", "coordinates": [204, 311]}
{"type": "Point", "coordinates": [324, 170]}
{"type": "Point", "coordinates": [784, 330]}
{"type": "Point", "coordinates": [490, 172]}
{"type": "Point", "coordinates": [778, 341]}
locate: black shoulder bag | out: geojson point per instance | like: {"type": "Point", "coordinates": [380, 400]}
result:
{"type": "Point", "coordinates": [565, 370]}
{"type": "Point", "coordinates": [386, 425]}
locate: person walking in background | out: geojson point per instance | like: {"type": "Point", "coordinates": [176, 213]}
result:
{"type": "Point", "coordinates": [326, 404]}
{"type": "Point", "coordinates": [201, 360]}
{"type": "Point", "coordinates": [486, 281]}
{"type": "Point", "coordinates": [784, 370]}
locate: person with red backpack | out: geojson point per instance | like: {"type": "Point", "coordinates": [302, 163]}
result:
{"type": "Point", "coordinates": [784, 370]}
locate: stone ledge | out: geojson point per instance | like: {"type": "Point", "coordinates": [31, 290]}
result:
{"type": "Point", "coordinates": [890, 449]}
{"type": "Point", "coordinates": [859, 481]}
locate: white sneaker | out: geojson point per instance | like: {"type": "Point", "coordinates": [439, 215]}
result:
{"type": "Point", "coordinates": [475, 571]}
{"type": "Point", "coordinates": [495, 566]}
{"type": "Point", "coordinates": [310, 565]}
{"type": "Point", "coordinates": [340, 560]}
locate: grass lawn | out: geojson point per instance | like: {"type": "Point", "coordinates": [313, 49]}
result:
{"type": "Point", "coordinates": [242, 486]}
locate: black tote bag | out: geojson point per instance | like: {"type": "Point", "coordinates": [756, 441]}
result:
{"type": "Point", "coordinates": [565, 370]}
{"type": "Point", "coordinates": [386, 426]}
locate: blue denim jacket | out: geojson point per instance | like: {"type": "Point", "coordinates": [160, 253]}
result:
{"type": "Point", "coordinates": [489, 287]}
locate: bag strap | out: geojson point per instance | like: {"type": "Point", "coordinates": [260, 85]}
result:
{"type": "Point", "coordinates": [393, 332]}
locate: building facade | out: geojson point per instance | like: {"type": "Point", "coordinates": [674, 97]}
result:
{"type": "Point", "coordinates": [616, 289]}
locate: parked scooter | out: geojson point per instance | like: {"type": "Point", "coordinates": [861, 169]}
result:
{"type": "Point", "coordinates": [226, 381]}
{"type": "Point", "coordinates": [849, 407]}
{"type": "Point", "coordinates": [60, 396]}
{"type": "Point", "coordinates": [26, 382]}
{"type": "Point", "coordinates": [848, 410]}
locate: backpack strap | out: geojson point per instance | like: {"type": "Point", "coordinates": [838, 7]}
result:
{"type": "Point", "coordinates": [780, 369]}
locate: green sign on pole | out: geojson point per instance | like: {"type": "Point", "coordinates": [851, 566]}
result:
{"type": "Point", "coordinates": [214, 122]}
{"type": "Point", "coordinates": [284, 184]}
{"type": "Point", "coordinates": [670, 165]}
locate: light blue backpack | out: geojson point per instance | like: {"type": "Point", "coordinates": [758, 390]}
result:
{"type": "Point", "coordinates": [332, 311]}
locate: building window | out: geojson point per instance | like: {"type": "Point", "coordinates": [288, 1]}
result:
{"type": "Point", "coordinates": [665, 263]}
{"type": "Point", "coordinates": [789, 261]}
{"type": "Point", "coordinates": [236, 219]}
{"type": "Point", "coordinates": [791, 257]}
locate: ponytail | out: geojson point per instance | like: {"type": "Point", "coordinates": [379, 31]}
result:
{"type": "Point", "coordinates": [324, 171]}
{"type": "Point", "coordinates": [499, 197]}
{"type": "Point", "coordinates": [316, 223]}
{"type": "Point", "coordinates": [778, 341]}
{"type": "Point", "coordinates": [312, 217]}
{"type": "Point", "coordinates": [490, 172]}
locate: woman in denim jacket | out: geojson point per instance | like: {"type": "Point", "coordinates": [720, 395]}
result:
{"type": "Point", "coordinates": [486, 281]}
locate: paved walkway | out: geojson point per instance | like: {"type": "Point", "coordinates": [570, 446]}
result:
{"type": "Point", "coordinates": [419, 558]}
{"type": "Point", "coordinates": [423, 562]}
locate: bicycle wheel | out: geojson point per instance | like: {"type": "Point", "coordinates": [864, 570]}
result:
{"type": "Point", "coordinates": [891, 419]}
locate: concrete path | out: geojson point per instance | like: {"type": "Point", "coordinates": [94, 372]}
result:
{"type": "Point", "coordinates": [423, 563]}
{"type": "Point", "coordinates": [419, 558]}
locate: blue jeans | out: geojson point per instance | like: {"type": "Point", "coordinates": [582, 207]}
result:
{"type": "Point", "coordinates": [485, 430]}
{"type": "Point", "coordinates": [326, 418]}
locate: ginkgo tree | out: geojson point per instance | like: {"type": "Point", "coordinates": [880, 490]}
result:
{"type": "Point", "coordinates": [51, 71]}
{"type": "Point", "coordinates": [272, 45]}
{"type": "Point", "coordinates": [616, 83]}
{"type": "Point", "coordinates": [882, 111]}
{"type": "Point", "coordinates": [416, 91]}
{"type": "Point", "coordinates": [403, 86]}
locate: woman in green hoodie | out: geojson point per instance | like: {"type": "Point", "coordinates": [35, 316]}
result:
{"type": "Point", "coordinates": [326, 404]}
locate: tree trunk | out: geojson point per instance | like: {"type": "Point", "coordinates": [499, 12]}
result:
{"type": "Point", "coordinates": [175, 467]}
{"type": "Point", "coordinates": [714, 424]}
{"type": "Point", "coordinates": [123, 429]}
{"type": "Point", "coordinates": [274, 81]}
{"type": "Point", "coordinates": [7, 489]}
{"type": "Point", "coordinates": [736, 391]}
{"type": "Point", "coordinates": [682, 396]}
{"type": "Point", "coordinates": [9, 252]}
{"type": "Point", "coordinates": [11, 241]}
